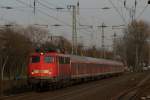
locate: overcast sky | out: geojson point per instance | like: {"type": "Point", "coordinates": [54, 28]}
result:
{"type": "Point", "coordinates": [91, 13]}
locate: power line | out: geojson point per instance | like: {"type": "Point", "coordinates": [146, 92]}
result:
{"type": "Point", "coordinates": [83, 19]}
{"type": "Point", "coordinates": [44, 5]}
{"type": "Point", "coordinates": [44, 13]}
{"type": "Point", "coordinates": [50, 8]}
{"type": "Point", "coordinates": [47, 14]}
{"type": "Point", "coordinates": [74, 31]}
{"type": "Point", "coordinates": [50, 3]}
{"type": "Point", "coordinates": [141, 13]}
{"type": "Point", "coordinates": [118, 11]}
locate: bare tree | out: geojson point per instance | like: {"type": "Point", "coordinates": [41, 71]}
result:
{"type": "Point", "coordinates": [133, 47]}
{"type": "Point", "coordinates": [60, 43]}
{"type": "Point", "coordinates": [37, 35]}
{"type": "Point", "coordinates": [14, 52]}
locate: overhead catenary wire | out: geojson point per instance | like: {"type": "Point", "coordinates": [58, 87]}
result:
{"type": "Point", "coordinates": [50, 8]}
{"type": "Point", "coordinates": [42, 12]}
{"type": "Point", "coordinates": [133, 9]}
{"type": "Point", "coordinates": [51, 16]}
{"type": "Point", "coordinates": [141, 13]}
{"type": "Point", "coordinates": [47, 14]}
{"type": "Point", "coordinates": [85, 25]}
{"type": "Point", "coordinates": [54, 5]}
{"type": "Point", "coordinates": [44, 5]}
{"type": "Point", "coordinates": [118, 12]}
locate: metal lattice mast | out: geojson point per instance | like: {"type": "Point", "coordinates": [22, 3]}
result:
{"type": "Point", "coordinates": [74, 29]}
{"type": "Point", "coordinates": [103, 39]}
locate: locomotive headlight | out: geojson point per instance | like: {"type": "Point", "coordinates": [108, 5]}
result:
{"type": "Point", "coordinates": [48, 71]}
{"type": "Point", "coordinates": [45, 71]}
{"type": "Point", "coordinates": [35, 71]}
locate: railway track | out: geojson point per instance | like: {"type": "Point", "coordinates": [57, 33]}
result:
{"type": "Point", "coordinates": [86, 91]}
{"type": "Point", "coordinates": [130, 93]}
{"type": "Point", "coordinates": [15, 96]}
{"type": "Point", "coordinates": [71, 95]}
{"type": "Point", "coordinates": [61, 93]}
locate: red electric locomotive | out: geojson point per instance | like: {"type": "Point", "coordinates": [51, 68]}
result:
{"type": "Point", "coordinates": [52, 68]}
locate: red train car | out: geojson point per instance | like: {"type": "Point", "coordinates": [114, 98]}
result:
{"type": "Point", "coordinates": [55, 68]}
{"type": "Point", "coordinates": [84, 67]}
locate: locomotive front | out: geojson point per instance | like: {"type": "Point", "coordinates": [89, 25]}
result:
{"type": "Point", "coordinates": [41, 68]}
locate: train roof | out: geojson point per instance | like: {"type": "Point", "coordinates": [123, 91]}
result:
{"type": "Point", "coordinates": [84, 59]}
{"type": "Point", "coordinates": [81, 59]}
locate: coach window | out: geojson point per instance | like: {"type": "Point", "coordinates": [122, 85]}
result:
{"type": "Point", "coordinates": [35, 59]}
{"type": "Point", "coordinates": [65, 60]}
{"type": "Point", "coordinates": [48, 59]}
{"type": "Point", "coordinates": [68, 60]}
{"type": "Point", "coordinates": [61, 60]}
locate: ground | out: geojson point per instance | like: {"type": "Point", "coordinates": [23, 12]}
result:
{"type": "Point", "coordinates": [104, 89]}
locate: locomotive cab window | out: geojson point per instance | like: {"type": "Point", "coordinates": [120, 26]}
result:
{"type": "Point", "coordinates": [67, 60]}
{"type": "Point", "coordinates": [48, 59]}
{"type": "Point", "coordinates": [35, 59]}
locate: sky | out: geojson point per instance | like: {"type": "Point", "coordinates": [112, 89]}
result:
{"type": "Point", "coordinates": [90, 13]}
